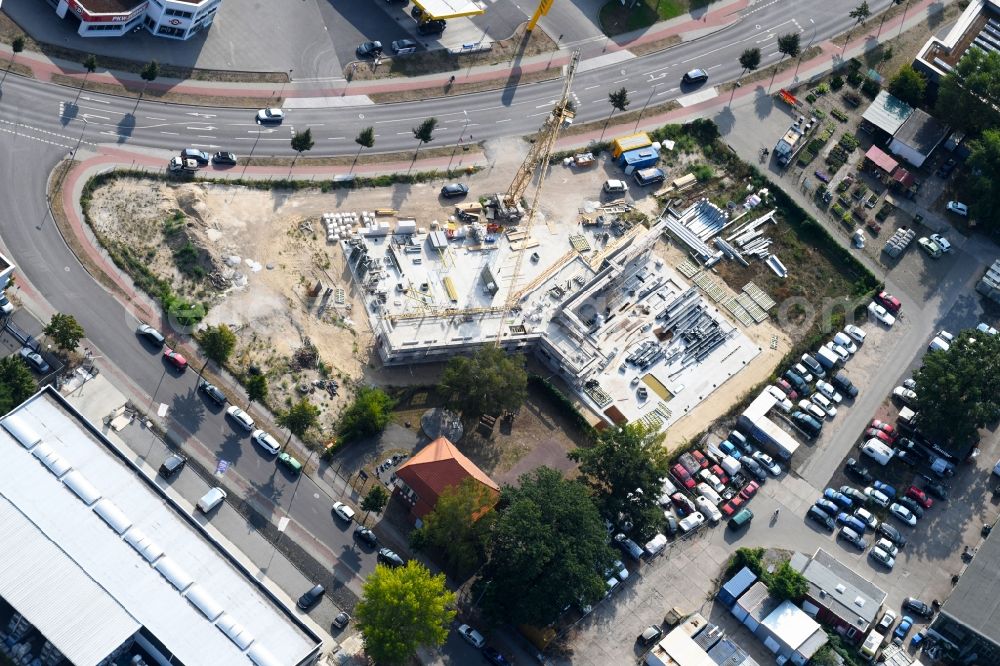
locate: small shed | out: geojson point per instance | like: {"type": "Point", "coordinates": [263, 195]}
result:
{"type": "Point", "coordinates": [736, 586]}
{"type": "Point", "coordinates": [882, 163]}
{"type": "Point", "coordinates": [917, 138]}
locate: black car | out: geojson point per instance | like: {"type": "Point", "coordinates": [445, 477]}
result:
{"type": "Point", "coordinates": [390, 558]}
{"type": "Point", "coordinates": [844, 384]}
{"type": "Point", "coordinates": [365, 536]}
{"type": "Point", "coordinates": [341, 620]}
{"type": "Point", "coordinates": [369, 49]}
{"type": "Point", "coordinates": [492, 655]}
{"type": "Point", "coordinates": [935, 488]}
{"type": "Point", "coordinates": [912, 505]}
{"type": "Point", "coordinates": [857, 471]}
{"type": "Point", "coordinates": [820, 518]}
{"type": "Point", "coordinates": [311, 598]}
{"type": "Point", "coordinates": [452, 190]}
{"type": "Point", "coordinates": [945, 169]}
{"type": "Point", "coordinates": [752, 466]}
{"type": "Point", "coordinates": [433, 27]}
{"type": "Point", "coordinates": [172, 465]}
{"type": "Point", "coordinates": [695, 76]}
{"type": "Point", "coordinates": [891, 533]}
{"type": "Point", "coordinates": [213, 392]}
{"type": "Point", "coordinates": [403, 46]}
{"type": "Point", "coordinates": [650, 635]}
{"type": "Point", "coordinates": [224, 158]}
{"type": "Point", "coordinates": [199, 156]}
{"type": "Point", "coordinates": [918, 607]}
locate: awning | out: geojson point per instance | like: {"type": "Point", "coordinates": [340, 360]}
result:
{"type": "Point", "coordinates": [446, 9]}
{"type": "Point", "coordinates": [881, 159]}
{"type": "Point", "coordinates": [904, 178]}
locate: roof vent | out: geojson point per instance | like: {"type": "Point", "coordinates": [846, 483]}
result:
{"type": "Point", "coordinates": [859, 602]}
{"type": "Point", "coordinates": [840, 588]}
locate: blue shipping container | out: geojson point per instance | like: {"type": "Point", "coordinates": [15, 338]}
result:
{"type": "Point", "coordinates": [640, 158]}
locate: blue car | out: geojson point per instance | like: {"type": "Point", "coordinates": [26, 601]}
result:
{"type": "Point", "coordinates": [730, 449]}
{"type": "Point", "coordinates": [853, 522]}
{"type": "Point", "coordinates": [903, 629]}
{"type": "Point", "coordinates": [843, 500]}
{"type": "Point", "coordinates": [889, 491]}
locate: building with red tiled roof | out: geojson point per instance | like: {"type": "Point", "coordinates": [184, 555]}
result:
{"type": "Point", "coordinates": [437, 466]}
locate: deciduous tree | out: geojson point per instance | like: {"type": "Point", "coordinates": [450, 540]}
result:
{"type": "Point", "coordinates": [424, 133]}
{"type": "Point", "coordinates": [490, 382]}
{"type": "Point", "coordinates": [984, 186]}
{"type": "Point", "coordinates": [16, 46]}
{"type": "Point", "coordinates": [301, 142]}
{"type": "Point", "coordinates": [256, 386]}
{"type": "Point", "coordinates": [548, 549]}
{"type": "Point", "coordinates": [458, 529]}
{"type": "Point", "coordinates": [16, 382]}
{"type": "Point", "coordinates": [908, 85]}
{"type": "Point", "coordinates": [148, 74]}
{"type": "Point", "coordinates": [787, 583]}
{"type": "Point", "coordinates": [64, 331]}
{"type": "Point", "coordinates": [367, 415]}
{"type": "Point", "coordinates": [375, 500]}
{"type": "Point", "coordinates": [403, 609]}
{"type": "Point", "coordinates": [623, 472]}
{"type": "Point", "coordinates": [218, 343]}
{"type": "Point", "coordinates": [860, 14]}
{"type": "Point", "coordinates": [89, 64]}
{"type": "Point", "coordinates": [298, 418]}
{"type": "Point", "coordinates": [364, 139]}
{"type": "Point", "coordinates": [969, 94]}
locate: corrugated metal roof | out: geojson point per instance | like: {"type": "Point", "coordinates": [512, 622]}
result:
{"type": "Point", "coordinates": [119, 582]}
{"type": "Point", "coordinates": [73, 612]}
{"type": "Point", "coordinates": [887, 112]}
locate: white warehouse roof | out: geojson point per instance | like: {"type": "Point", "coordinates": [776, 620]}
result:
{"type": "Point", "coordinates": [87, 546]}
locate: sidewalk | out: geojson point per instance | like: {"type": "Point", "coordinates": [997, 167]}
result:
{"type": "Point", "coordinates": [719, 16]}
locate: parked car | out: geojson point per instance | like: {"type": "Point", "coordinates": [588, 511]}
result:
{"type": "Point", "coordinates": [983, 327]}
{"type": "Point", "coordinates": [175, 359]}
{"type": "Point", "coordinates": [224, 158]}
{"type": "Point", "coordinates": [627, 546]}
{"type": "Point", "coordinates": [844, 383]}
{"type": "Point", "coordinates": [920, 497]}
{"type": "Point", "coordinates": [781, 400]}
{"type": "Point", "coordinates": [856, 495]}
{"type": "Point", "coordinates": [682, 504]}
{"type": "Point", "coordinates": [741, 519]}
{"type": "Point", "coordinates": [748, 491]}
{"type": "Point", "coordinates": [266, 441]}
{"type": "Point", "coordinates": [881, 314]}
{"type": "Point", "coordinates": [867, 517]}
{"type": "Point", "coordinates": [839, 350]}
{"type": "Point", "coordinates": [365, 536]}
{"type": "Point", "coordinates": [853, 537]}
{"type": "Point", "coordinates": [751, 466]}
{"type": "Point", "coordinates": [811, 408]}
{"type": "Point", "coordinates": [875, 433]}
{"type": "Point", "coordinates": [34, 360]}
{"type": "Point", "coordinates": [877, 497]}
{"type": "Point", "coordinates": [906, 396]}
{"type": "Point", "coordinates": [888, 546]}
{"type": "Point", "coordinates": [293, 464]}
{"type": "Point", "coordinates": [828, 507]}
{"type": "Point", "coordinates": [887, 428]}
{"type": "Point", "coordinates": [935, 488]}
{"type": "Point", "coordinates": [172, 466]}
{"type": "Point", "coordinates": [847, 520]}
{"type": "Point", "coordinates": [343, 511]}
{"type": "Point", "coordinates": [786, 388]}
{"type": "Point", "coordinates": [212, 391]}
{"type": "Point", "coordinates": [389, 558]}
{"type": "Point", "coordinates": [151, 335]}
{"type": "Point", "coordinates": [889, 302]}
{"type": "Point", "coordinates": [689, 463]}
{"type": "Point", "coordinates": [903, 514]}
{"type": "Point", "coordinates": [270, 116]}
{"type": "Point", "coordinates": [767, 462]}
{"type": "Point", "coordinates": [242, 418]}
{"type": "Point", "coordinates": [842, 500]}
{"type": "Point", "coordinates": [930, 247]}
{"type": "Point", "coordinates": [682, 476]}
{"type": "Point", "coordinates": [199, 156]}
{"type": "Point", "coordinates": [891, 533]}
{"type": "Point", "coordinates": [824, 404]}
{"type": "Point", "coordinates": [958, 208]}
{"type": "Point", "coordinates": [913, 505]}
{"type": "Point", "coordinates": [885, 624]}
{"type": "Point", "coordinates": [807, 423]}
{"type": "Point", "coordinates": [699, 458]}
{"type": "Point", "coordinates": [403, 46]}
{"type": "Point", "coordinates": [714, 482]}
{"type": "Point", "coordinates": [858, 471]}
{"type": "Point", "coordinates": [902, 630]}
{"type": "Point", "coordinates": [813, 365]}
{"type": "Point", "coordinates": [884, 487]}
{"type": "Point", "coordinates": [368, 49]}
{"type": "Point", "coordinates": [733, 506]}
{"type": "Point", "coordinates": [918, 607]}
{"type": "Point", "coordinates": [688, 524]}
{"type": "Point", "coordinates": [472, 636]}
{"type": "Point", "coordinates": [213, 498]}
{"type": "Point", "coordinates": [341, 620]}
{"type": "Point", "coordinates": [856, 333]}
{"type": "Point", "coordinates": [941, 242]}
{"type": "Point", "coordinates": [946, 168]}
{"type": "Point", "coordinates": [800, 384]}
{"type": "Point", "coordinates": [651, 634]}
{"type": "Point", "coordinates": [877, 451]}
{"type": "Point", "coordinates": [432, 27]}
{"type": "Point", "coordinates": [803, 372]}
{"type": "Point", "coordinates": [311, 597]}
{"type": "Point", "coordinates": [730, 449]}
{"type": "Point", "coordinates": [820, 517]}
{"type": "Point", "coordinates": [453, 190]}
{"type": "Point", "coordinates": [719, 473]}
{"type": "Point", "coordinates": [845, 341]}
{"type": "Point", "coordinates": [882, 557]}
{"type": "Point", "coordinates": [828, 391]}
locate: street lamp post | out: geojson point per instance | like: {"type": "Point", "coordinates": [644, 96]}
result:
{"type": "Point", "coordinates": [284, 83]}
{"type": "Point", "coordinates": [455, 149]}
{"type": "Point", "coordinates": [648, 100]}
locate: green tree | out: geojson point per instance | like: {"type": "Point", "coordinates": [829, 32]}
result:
{"type": "Point", "coordinates": [301, 141]}
{"type": "Point", "coordinates": [749, 60]}
{"type": "Point", "coordinates": [860, 14]}
{"type": "Point", "coordinates": [17, 384]}
{"type": "Point", "coordinates": [984, 187]}
{"type": "Point", "coordinates": [424, 133]}
{"type": "Point", "coordinates": [825, 656]}
{"type": "Point", "coordinates": [298, 419]}
{"type": "Point", "coordinates": [457, 530]}
{"type": "Point", "coordinates": [623, 472]}
{"type": "Point", "coordinates": [490, 382]}
{"type": "Point", "coordinates": [89, 64]}
{"type": "Point", "coordinates": [256, 386]}
{"type": "Point", "coordinates": [548, 549]}
{"type": "Point", "coordinates": [218, 343]}
{"type": "Point", "coordinates": [958, 390]}
{"type": "Point", "coordinates": [64, 331]}
{"type": "Point", "coordinates": [618, 99]}
{"type": "Point", "coordinates": [16, 46]}
{"type": "Point", "coordinates": [368, 414]}
{"type": "Point", "coordinates": [375, 500]}
{"type": "Point", "coordinates": [789, 45]}
{"type": "Point", "coordinates": [364, 139]}
{"type": "Point", "coordinates": [403, 609]}
{"type": "Point", "coordinates": [148, 75]}
{"type": "Point", "coordinates": [787, 583]}
{"type": "Point", "coordinates": [908, 85]}
{"type": "Point", "coordinates": [969, 94]}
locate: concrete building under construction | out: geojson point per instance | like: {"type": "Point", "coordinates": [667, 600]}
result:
{"type": "Point", "coordinates": [626, 332]}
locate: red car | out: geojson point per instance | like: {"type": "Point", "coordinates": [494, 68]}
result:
{"type": "Point", "coordinates": [920, 497]}
{"type": "Point", "coordinates": [682, 504]}
{"type": "Point", "coordinates": [682, 476]}
{"type": "Point", "coordinates": [700, 457]}
{"type": "Point", "coordinates": [749, 490]}
{"type": "Point", "coordinates": [719, 472]}
{"type": "Point", "coordinates": [787, 388]}
{"type": "Point", "coordinates": [880, 435]}
{"type": "Point", "coordinates": [889, 302]}
{"type": "Point", "coordinates": [887, 428]}
{"type": "Point", "coordinates": [732, 506]}
{"type": "Point", "coordinates": [175, 359]}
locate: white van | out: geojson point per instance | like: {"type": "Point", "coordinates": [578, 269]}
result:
{"type": "Point", "coordinates": [656, 545]}
{"type": "Point", "coordinates": [708, 509]}
{"type": "Point", "coordinates": [878, 451]}
{"type": "Point", "coordinates": [731, 465]}
{"type": "Point", "coordinates": [692, 522]}
{"type": "Point", "coordinates": [709, 493]}
{"type": "Point", "coordinates": [619, 187]}
{"type": "Point", "coordinates": [872, 643]}
{"type": "Point", "coordinates": [212, 499]}
{"type": "Point", "coordinates": [828, 358]}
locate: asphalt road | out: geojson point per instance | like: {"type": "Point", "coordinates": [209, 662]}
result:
{"type": "Point", "coordinates": [38, 123]}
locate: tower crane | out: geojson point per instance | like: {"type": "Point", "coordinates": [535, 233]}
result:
{"type": "Point", "coordinates": [538, 156]}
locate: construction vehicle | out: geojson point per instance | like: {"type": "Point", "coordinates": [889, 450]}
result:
{"type": "Point", "coordinates": [507, 207]}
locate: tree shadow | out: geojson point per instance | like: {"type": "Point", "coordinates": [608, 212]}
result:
{"type": "Point", "coordinates": [763, 104]}
{"type": "Point", "coordinates": [70, 111]}
{"type": "Point", "coordinates": [726, 120]}
{"type": "Point", "coordinates": [188, 409]}
{"type": "Point", "coordinates": [935, 15]}
{"type": "Point", "coordinates": [231, 448]}
{"type": "Point", "coordinates": [125, 127]}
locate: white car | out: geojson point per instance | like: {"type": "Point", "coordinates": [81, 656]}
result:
{"type": "Point", "coordinates": [812, 409]}
{"type": "Point", "coordinates": [708, 509]}
{"type": "Point", "coordinates": [904, 395]}
{"type": "Point", "coordinates": [881, 314]}
{"type": "Point", "coordinates": [845, 341]}
{"type": "Point", "coordinates": [343, 511]}
{"type": "Point", "coordinates": [946, 335]}
{"type": "Point", "coordinates": [265, 441]}
{"type": "Point", "coordinates": [240, 417]}
{"type": "Point", "coordinates": [882, 557]}
{"type": "Point", "coordinates": [983, 327]}
{"type": "Point", "coordinates": [783, 403]}
{"type": "Point", "coordinates": [270, 116]}
{"type": "Point", "coordinates": [942, 242]}
{"type": "Point", "coordinates": [938, 344]}
{"type": "Point", "coordinates": [877, 496]}
{"type": "Point", "coordinates": [958, 208]}
{"type": "Point", "coordinates": [903, 514]}
{"type": "Point", "coordinates": [824, 404]}
{"type": "Point", "coordinates": [910, 383]}
{"type": "Point", "coordinates": [885, 624]}
{"type": "Point", "coordinates": [767, 462]}
{"type": "Point", "coordinates": [712, 480]}
{"type": "Point", "coordinates": [855, 332]}
{"type": "Point", "coordinates": [867, 517]}
{"type": "Point", "coordinates": [827, 390]}
{"type": "Point", "coordinates": [838, 350]}
{"type": "Point", "coordinates": [474, 637]}
{"type": "Point", "coordinates": [887, 546]}
{"type": "Point", "coordinates": [803, 372]}
{"type": "Point", "coordinates": [619, 569]}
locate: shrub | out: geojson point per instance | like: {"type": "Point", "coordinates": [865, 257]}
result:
{"type": "Point", "coordinates": [840, 115]}
{"type": "Point", "coordinates": [811, 98]}
{"type": "Point", "coordinates": [849, 142]}
{"type": "Point", "coordinates": [855, 78]}
{"type": "Point", "coordinates": [870, 88]}
{"type": "Point", "coordinates": [837, 82]}
{"type": "Point", "coordinates": [822, 89]}
{"type": "Point", "coordinates": [703, 172]}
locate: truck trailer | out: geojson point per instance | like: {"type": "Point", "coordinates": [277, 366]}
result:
{"type": "Point", "coordinates": [792, 142]}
